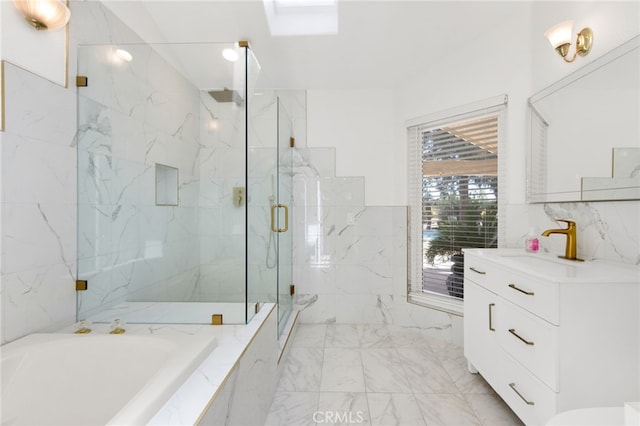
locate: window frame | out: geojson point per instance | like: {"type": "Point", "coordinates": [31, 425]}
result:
{"type": "Point", "coordinates": [497, 106]}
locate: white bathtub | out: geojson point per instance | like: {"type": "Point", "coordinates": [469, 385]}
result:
{"type": "Point", "coordinates": [95, 379]}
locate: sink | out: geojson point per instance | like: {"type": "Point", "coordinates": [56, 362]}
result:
{"type": "Point", "coordinates": [546, 265]}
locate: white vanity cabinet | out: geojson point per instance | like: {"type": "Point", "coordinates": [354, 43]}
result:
{"type": "Point", "coordinates": [551, 335]}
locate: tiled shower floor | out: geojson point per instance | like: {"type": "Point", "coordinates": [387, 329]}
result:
{"type": "Point", "coordinates": [380, 375]}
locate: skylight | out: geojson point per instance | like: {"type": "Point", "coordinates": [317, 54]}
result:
{"type": "Point", "coordinates": [301, 17]}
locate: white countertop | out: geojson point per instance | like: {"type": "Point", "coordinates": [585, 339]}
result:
{"type": "Point", "coordinates": [552, 268]}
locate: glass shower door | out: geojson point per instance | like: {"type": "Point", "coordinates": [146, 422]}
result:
{"type": "Point", "coordinates": [163, 183]}
{"type": "Point", "coordinates": [284, 217]}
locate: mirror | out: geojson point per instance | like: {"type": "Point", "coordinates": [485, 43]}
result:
{"type": "Point", "coordinates": [585, 132]}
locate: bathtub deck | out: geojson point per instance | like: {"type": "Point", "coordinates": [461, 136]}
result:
{"type": "Point", "coordinates": [195, 395]}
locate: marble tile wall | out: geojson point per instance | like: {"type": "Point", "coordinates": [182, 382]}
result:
{"type": "Point", "coordinates": [605, 230]}
{"type": "Point", "coordinates": [350, 264]}
{"type": "Point", "coordinates": [221, 223]}
{"type": "Point", "coordinates": [38, 210]}
{"type": "Point", "coordinates": [43, 180]}
{"type": "Point", "coordinates": [39, 186]}
{"type": "Point", "coordinates": [350, 259]}
{"type": "Point", "coordinates": [132, 116]}
{"type": "Point", "coordinates": [252, 383]}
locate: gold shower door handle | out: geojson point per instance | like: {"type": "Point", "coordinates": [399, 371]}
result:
{"type": "Point", "coordinates": [273, 217]}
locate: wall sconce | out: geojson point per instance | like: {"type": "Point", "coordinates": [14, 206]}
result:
{"type": "Point", "coordinates": [44, 14]}
{"type": "Point", "coordinates": [560, 38]}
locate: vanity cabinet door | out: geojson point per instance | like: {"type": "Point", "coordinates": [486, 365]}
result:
{"type": "Point", "coordinates": [481, 323]}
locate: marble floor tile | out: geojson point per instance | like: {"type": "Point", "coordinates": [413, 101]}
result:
{"type": "Point", "coordinates": [374, 336]}
{"type": "Point", "coordinates": [342, 336]}
{"type": "Point", "coordinates": [394, 409]}
{"type": "Point", "coordinates": [383, 371]}
{"type": "Point", "coordinates": [343, 408]}
{"type": "Point", "coordinates": [456, 367]}
{"type": "Point", "coordinates": [425, 372]}
{"type": "Point", "coordinates": [446, 409]}
{"type": "Point", "coordinates": [310, 336]}
{"type": "Point", "coordinates": [408, 337]}
{"type": "Point", "coordinates": [342, 371]}
{"type": "Point", "coordinates": [444, 348]}
{"type": "Point", "coordinates": [344, 374]}
{"type": "Point", "coordinates": [492, 410]}
{"type": "Point", "coordinates": [293, 409]}
{"type": "Point", "coordinates": [302, 370]}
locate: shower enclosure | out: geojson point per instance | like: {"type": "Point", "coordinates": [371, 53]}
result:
{"type": "Point", "coordinates": [182, 199]}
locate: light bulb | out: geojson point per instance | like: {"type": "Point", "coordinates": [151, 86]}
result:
{"type": "Point", "coordinates": [44, 14]}
{"type": "Point", "coordinates": [560, 33]}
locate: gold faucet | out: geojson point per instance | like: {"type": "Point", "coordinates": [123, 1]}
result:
{"type": "Point", "coordinates": [83, 327]}
{"type": "Point", "coordinates": [117, 327]}
{"type": "Point", "coordinates": [570, 232]}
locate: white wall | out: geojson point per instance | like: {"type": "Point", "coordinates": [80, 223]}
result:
{"type": "Point", "coordinates": [612, 22]}
{"type": "Point", "coordinates": [367, 127]}
{"type": "Point", "coordinates": [514, 59]}
{"type": "Point", "coordinates": [41, 52]}
{"type": "Point", "coordinates": [358, 123]}
{"type": "Point", "coordinates": [495, 63]}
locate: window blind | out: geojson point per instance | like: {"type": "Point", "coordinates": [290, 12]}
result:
{"type": "Point", "coordinates": [453, 191]}
{"type": "Point", "coordinates": [537, 181]}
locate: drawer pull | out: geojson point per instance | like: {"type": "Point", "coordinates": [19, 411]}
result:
{"type": "Point", "coordinates": [513, 386]}
{"type": "Point", "coordinates": [491, 305]}
{"type": "Point", "coordinates": [476, 271]}
{"type": "Point", "coordinates": [513, 331]}
{"type": "Point", "coordinates": [528, 293]}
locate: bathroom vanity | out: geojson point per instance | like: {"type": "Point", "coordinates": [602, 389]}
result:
{"type": "Point", "coordinates": [549, 334]}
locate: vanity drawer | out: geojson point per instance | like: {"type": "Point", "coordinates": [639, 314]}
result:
{"type": "Point", "coordinates": [480, 271]}
{"type": "Point", "coordinates": [531, 341]}
{"type": "Point", "coordinates": [527, 396]}
{"type": "Point", "coordinates": [534, 295]}
{"type": "Point", "coordinates": [538, 297]}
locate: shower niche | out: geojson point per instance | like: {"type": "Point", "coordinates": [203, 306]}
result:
{"type": "Point", "coordinates": [166, 185]}
{"type": "Point", "coordinates": [161, 238]}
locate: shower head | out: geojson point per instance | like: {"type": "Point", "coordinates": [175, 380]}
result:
{"type": "Point", "coordinates": [226, 95]}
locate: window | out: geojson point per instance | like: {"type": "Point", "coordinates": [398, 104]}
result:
{"type": "Point", "coordinates": [453, 196]}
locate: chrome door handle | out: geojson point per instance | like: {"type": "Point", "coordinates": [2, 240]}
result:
{"type": "Point", "coordinates": [491, 305]}
{"type": "Point", "coordinates": [528, 293]}
{"type": "Point", "coordinates": [513, 386]}
{"type": "Point", "coordinates": [273, 217]}
{"type": "Point", "coordinates": [513, 331]}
